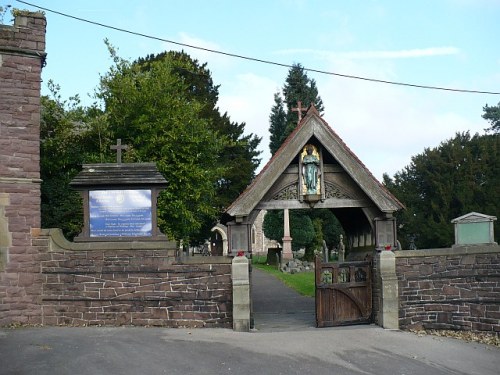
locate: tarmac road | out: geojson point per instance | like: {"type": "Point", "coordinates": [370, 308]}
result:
{"type": "Point", "coordinates": [344, 350]}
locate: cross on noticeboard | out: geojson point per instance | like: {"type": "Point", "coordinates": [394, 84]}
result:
{"type": "Point", "coordinates": [299, 109]}
{"type": "Point", "coordinates": [119, 147]}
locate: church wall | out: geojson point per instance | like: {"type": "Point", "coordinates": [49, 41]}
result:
{"type": "Point", "coordinates": [22, 54]}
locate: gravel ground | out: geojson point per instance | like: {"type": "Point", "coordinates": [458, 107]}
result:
{"type": "Point", "coordinates": [488, 338]}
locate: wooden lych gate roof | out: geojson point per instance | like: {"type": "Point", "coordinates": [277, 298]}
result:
{"type": "Point", "coordinates": [314, 128]}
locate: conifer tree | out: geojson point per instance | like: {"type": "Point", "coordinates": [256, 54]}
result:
{"type": "Point", "coordinates": [277, 119]}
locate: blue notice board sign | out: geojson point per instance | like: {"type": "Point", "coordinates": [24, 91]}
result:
{"type": "Point", "coordinates": [120, 213]}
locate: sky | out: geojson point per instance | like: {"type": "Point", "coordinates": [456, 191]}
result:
{"type": "Point", "coordinates": [445, 43]}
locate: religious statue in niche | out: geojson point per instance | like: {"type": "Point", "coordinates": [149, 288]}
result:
{"type": "Point", "coordinates": [310, 169]}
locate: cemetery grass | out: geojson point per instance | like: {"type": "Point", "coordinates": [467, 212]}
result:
{"type": "Point", "coordinates": [302, 282]}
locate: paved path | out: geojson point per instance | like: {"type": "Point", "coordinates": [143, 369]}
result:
{"type": "Point", "coordinates": [277, 307]}
{"type": "Point", "coordinates": [284, 342]}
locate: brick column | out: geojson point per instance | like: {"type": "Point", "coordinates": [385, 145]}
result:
{"type": "Point", "coordinates": [22, 55]}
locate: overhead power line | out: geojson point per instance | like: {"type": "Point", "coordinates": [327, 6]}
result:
{"type": "Point", "coordinates": [257, 59]}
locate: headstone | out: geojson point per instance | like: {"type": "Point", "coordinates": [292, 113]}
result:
{"type": "Point", "coordinates": [341, 249]}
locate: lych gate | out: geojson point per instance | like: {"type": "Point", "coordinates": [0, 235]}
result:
{"type": "Point", "coordinates": [314, 168]}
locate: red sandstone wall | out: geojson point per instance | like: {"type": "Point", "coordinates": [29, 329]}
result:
{"type": "Point", "coordinates": [453, 291]}
{"type": "Point", "coordinates": [136, 287]}
{"type": "Point", "coordinates": [22, 54]}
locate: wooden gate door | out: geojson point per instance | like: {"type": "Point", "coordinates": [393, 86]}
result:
{"type": "Point", "coordinates": [343, 293]}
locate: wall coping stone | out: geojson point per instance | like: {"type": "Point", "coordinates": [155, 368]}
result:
{"type": "Point", "coordinates": [205, 260]}
{"type": "Point", "coordinates": [59, 242]}
{"type": "Point", "coordinates": [456, 250]}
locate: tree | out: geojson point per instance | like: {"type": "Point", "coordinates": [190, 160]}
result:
{"type": "Point", "coordinates": [164, 107]}
{"type": "Point", "coordinates": [298, 87]}
{"type": "Point", "coordinates": [459, 176]}
{"type": "Point", "coordinates": [492, 114]}
{"type": "Point", "coordinates": [239, 154]}
{"type": "Point", "coordinates": [277, 119]}
{"type": "Point", "coordinates": [67, 140]}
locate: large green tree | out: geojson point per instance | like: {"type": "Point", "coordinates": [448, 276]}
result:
{"type": "Point", "coordinates": [239, 156]}
{"type": "Point", "coordinates": [461, 175]}
{"type": "Point", "coordinates": [164, 107]}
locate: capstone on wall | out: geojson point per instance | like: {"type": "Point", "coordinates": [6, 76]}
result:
{"type": "Point", "coordinates": [22, 56]}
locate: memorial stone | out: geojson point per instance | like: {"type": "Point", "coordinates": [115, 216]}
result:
{"type": "Point", "coordinates": [119, 200]}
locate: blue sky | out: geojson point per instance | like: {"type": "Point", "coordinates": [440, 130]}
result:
{"type": "Point", "coordinates": [448, 43]}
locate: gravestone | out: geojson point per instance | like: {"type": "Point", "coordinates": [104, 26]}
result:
{"type": "Point", "coordinates": [119, 200]}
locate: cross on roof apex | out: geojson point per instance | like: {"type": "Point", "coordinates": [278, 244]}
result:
{"type": "Point", "coordinates": [299, 109]}
{"type": "Point", "coordinates": [119, 147]}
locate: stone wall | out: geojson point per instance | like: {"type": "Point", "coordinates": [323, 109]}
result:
{"type": "Point", "coordinates": [134, 284]}
{"type": "Point", "coordinates": [22, 56]}
{"type": "Point", "coordinates": [456, 289]}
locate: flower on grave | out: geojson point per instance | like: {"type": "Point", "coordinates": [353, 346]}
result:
{"type": "Point", "coordinates": [388, 247]}
{"type": "Point", "coordinates": [241, 253]}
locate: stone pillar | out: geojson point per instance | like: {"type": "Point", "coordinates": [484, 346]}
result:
{"type": "Point", "coordinates": [22, 56]}
{"type": "Point", "coordinates": [389, 299]}
{"type": "Point", "coordinates": [241, 294]}
{"type": "Point", "coordinates": [287, 240]}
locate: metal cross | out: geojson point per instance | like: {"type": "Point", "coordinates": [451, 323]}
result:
{"type": "Point", "coordinates": [119, 147]}
{"type": "Point", "coordinates": [299, 109]}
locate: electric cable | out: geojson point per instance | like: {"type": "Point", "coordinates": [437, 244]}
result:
{"type": "Point", "coordinates": [257, 59]}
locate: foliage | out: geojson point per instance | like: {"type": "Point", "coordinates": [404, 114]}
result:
{"type": "Point", "coordinates": [277, 120]}
{"type": "Point", "coordinates": [298, 87]}
{"type": "Point", "coordinates": [67, 140]}
{"type": "Point", "coordinates": [460, 176]}
{"type": "Point", "coordinates": [239, 155]}
{"type": "Point", "coordinates": [164, 107]}
{"type": "Point", "coordinates": [302, 282]}
{"type": "Point", "coordinates": [492, 114]}
{"type": "Point", "coordinates": [151, 112]}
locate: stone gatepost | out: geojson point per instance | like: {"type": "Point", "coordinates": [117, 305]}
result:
{"type": "Point", "coordinates": [241, 294]}
{"type": "Point", "coordinates": [389, 300]}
